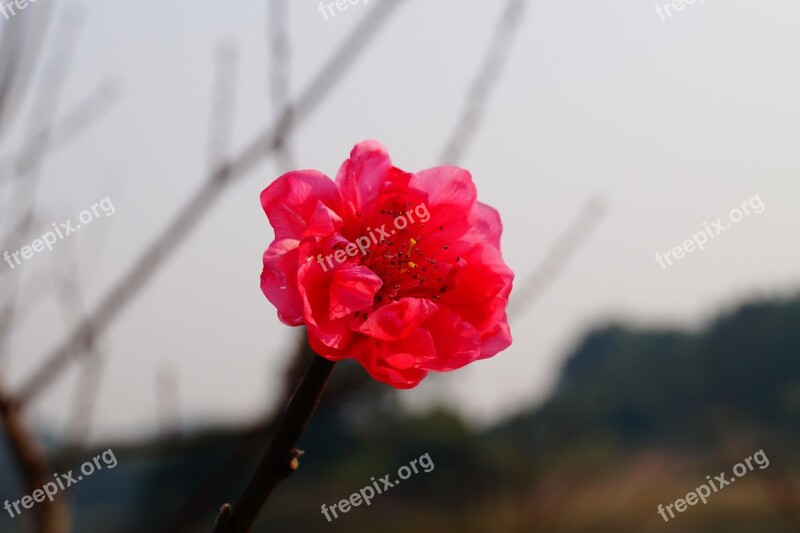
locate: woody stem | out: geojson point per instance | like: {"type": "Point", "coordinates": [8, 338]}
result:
{"type": "Point", "coordinates": [281, 457]}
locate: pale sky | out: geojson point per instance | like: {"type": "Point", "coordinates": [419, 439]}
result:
{"type": "Point", "coordinates": [674, 122]}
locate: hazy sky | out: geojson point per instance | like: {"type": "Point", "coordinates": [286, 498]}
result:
{"type": "Point", "coordinates": [674, 122]}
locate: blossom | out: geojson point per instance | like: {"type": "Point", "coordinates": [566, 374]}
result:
{"type": "Point", "coordinates": [399, 271]}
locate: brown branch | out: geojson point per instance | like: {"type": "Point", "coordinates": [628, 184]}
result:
{"type": "Point", "coordinates": [223, 519]}
{"type": "Point", "coordinates": [22, 40]}
{"type": "Point", "coordinates": [226, 476]}
{"type": "Point", "coordinates": [281, 458]}
{"type": "Point", "coordinates": [87, 385]}
{"type": "Point", "coordinates": [66, 129]}
{"type": "Point", "coordinates": [27, 452]}
{"type": "Point", "coordinates": [44, 107]}
{"type": "Point", "coordinates": [487, 77]}
{"type": "Point", "coordinates": [233, 468]}
{"type": "Point", "coordinates": [84, 402]}
{"type": "Point", "coordinates": [557, 256]}
{"type": "Point", "coordinates": [278, 14]}
{"type": "Point", "coordinates": [165, 245]}
{"type": "Point", "coordinates": [32, 464]}
{"type": "Point", "coordinates": [12, 313]}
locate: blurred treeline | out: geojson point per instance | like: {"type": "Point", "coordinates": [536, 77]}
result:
{"type": "Point", "coordinates": [639, 418]}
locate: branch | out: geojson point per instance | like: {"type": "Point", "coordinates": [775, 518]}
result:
{"type": "Point", "coordinates": [278, 14]}
{"type": "Point", "coordinates": [23, 38]}
{"type": "Point", "coordinates": [32, 464]}
{"type": "Point", "coordinates": [281, 457]}
{"type": "Point", "coordinates": [57, 134]}
{"type": "Point", "coordinates": [44, 107]}
{"type": "Point", "coordinates": [200, 204]}
{"type": "Point", "coordinates": [223, 519]}
{"type": "Point", "coordinates": [556, 258]}
{"type": "Point", "coordinates": [487, 78]}
{"type": "Point", "coordinates": [87, 385]}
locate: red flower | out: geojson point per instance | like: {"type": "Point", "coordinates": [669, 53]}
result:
{"type": "Point", "coordinates": [399, 271]}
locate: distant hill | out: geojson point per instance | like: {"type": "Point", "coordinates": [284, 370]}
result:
{"type": "Point", "coordinates": [641, 387]}
{"type": "Point", "coordinates": [638, 418]}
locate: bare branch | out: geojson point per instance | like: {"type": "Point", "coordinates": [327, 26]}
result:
{"type": "Point", "coordinates": [22, 40]}
{"type": "Point", "coordinates": [71, 301]}
{"type": "Point", "coordinates": [32, 463]}
{"type": "Point", "coordinates": [45, 105]}
{"type": "Point", "coordinates": [78, 120]}
{"type": "Point", "coordinates": [557, 257]}
{"type": "Point", "coordinates": [485, 81]}
{"type": "Point", "coordinates": [281, 457]}
{"type": "Point", "coordinates": [278, 15]}
{"type": "Point", "coordinates": [200, 204]}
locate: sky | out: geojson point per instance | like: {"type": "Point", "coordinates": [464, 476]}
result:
{"type": "Point", "coordinates": [674, 123]}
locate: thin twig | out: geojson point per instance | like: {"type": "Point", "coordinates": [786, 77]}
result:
{"type": "Point", "coordinates": [87, 384]}
{"type": "Point", "coordinates": [200, 204]}
{"type": "Point", "coordinates": [22, 39]}
{"type": "Point", "coordinates": [44, 108]}
{"type": "Point", "coordinates": [487, 78]}
{"type": "Point", "coordinates": [28, 453]}
{"type": "Point", "coordinates": [66, 129]}
{"type": "Point", "coordinates": [278, 15]}
{"type": "Point", "coordinates": [557, 256]}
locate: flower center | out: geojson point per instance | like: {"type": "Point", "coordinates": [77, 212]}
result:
{"type": "Point", "coordinates": [405, 269]}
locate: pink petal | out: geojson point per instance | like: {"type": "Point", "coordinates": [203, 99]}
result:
{"type": "Point", "coordinates": [457, 342]}
{"type": "Point", "coordinates": [279, 281]}
{"type": "Point", "coordinates": [477, 295]}
{"type": "Point", "coordinates": [497, 340]}
{"type": "Point", "coordinates": [451, 197]}
{"type": "Point", "coordinates": [361, 178]}
{"type": "Point", "coordinates": [398, 320]}
{"type": "Point", "coordinates": [352, 289]}
{"type": "Point", "coordinates": [395, 362]}
{"type": "Point", "coordinates": [332, 354]}
{"type": "Point", "coordinates": [486, 225]}
{"type": "Point", "coordinates": [314, 286]}
{"type": "Point", "coordinates": [292, 199]}
{"type": "Point", "coordinates": [323, 221]}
